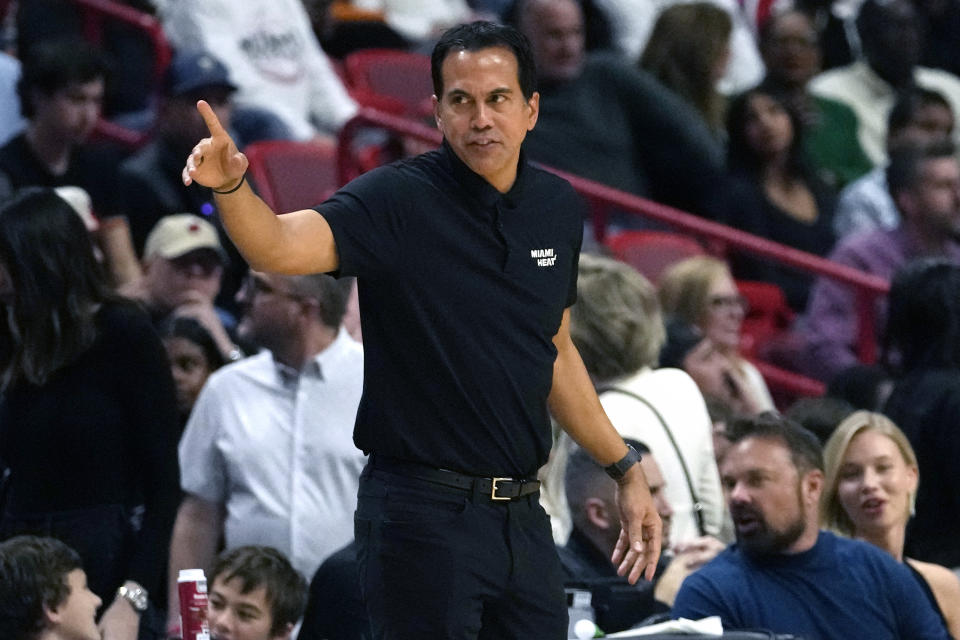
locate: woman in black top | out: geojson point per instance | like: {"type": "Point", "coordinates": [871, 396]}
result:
{"type": "Point", "coordinates": [88, 420]}
{"type": "Point", "coordinates": [772, 192]}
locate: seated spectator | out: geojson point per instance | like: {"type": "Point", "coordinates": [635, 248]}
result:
{"type": "Point", "coordinates": [870, 487]}
{"type": "Point", "coordinates": [254, 594]}
{"type": "Point", "coordinates": [61, 90]}
{"type": "Point", "coordinates": [688, 52]}
{"type": "Point", "coordinates": [864, 386]}
{"type": "Point", "coordinates": [892, 42]}
{"type": "Point", "coordinates": [925, 185]}
{"type": "Point", "coordinates": [773, 192]}
{"type": "Point", "coordinates": [617, 327]}
{"type": "Point", "coordinates": [273, 57]}
{"type": "Point", "coordinates": [700, 292]}
{"type": "Point", "coordinates": [183, 263]}
{"type": "Point", "coordinates": [633, 21]}
{"type": "Point", "coordinates": [922, 338]}
{"type": "Point", "coordinates": [790, 47]}
{"type": "Point", "coordinates": [919, 117]}
{"type": "Point", "coordinates": [784, 574]}
{"type": "Point", "coordinates": [603, 120]}
{"type": "Point", "coordinates": [193, 355]}
{"type": "Point", "coordinates": [596, 526]}
{"type": "Point", "coordinates": [43, 592]}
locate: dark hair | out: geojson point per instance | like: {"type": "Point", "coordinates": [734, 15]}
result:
{"type": "Point", "coordinates": [805, 450]}
{"type": "Point", "coordinates": [597, 31]}
{"type": "Point", "coordinates": [33, 575]}
{"type": "Point", "coordinates": [740, 154]}
{"type": "Point", "coordinates": [190, 329]}
{"type": "Point", "coordinates": [330, 294]}
{"type": "Point", "coordinates": [257, 566]}
{"type": "Point", "coordinates": [905, 168]}
{"type": "Point", "coordinates": [483, 35]}
{"type": "Point", "coordinates": [820, 415]}
{"type": "Point", "coordinates": [57, 286]}
{"type": "Point", "coordinates": [50, 66]}
{"type": "Point", "coordinates": [923, 317]}
{"type": "Point", "coordinates": [909, 102]}
{"type": "Point", "coordinates": [584, 477]}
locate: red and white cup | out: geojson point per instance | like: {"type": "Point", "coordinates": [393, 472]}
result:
{"type": "Point", "coordinates": [192, 587]}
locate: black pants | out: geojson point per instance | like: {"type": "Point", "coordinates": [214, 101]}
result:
{"type": "Point", "coordinates": [449, 564]}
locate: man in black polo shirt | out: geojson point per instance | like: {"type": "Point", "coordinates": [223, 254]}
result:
{"type": "Point", "coordinates": [466, 262]}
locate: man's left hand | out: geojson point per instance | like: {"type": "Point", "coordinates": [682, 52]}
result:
{"type": "Point", "coordinates": [638, 549]}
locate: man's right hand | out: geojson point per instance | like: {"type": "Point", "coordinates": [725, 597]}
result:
{"type": "Point", "coordinates": [215, 162]}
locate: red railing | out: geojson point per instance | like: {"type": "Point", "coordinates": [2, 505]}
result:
{"type": "Point", "coordinates": [602, 198]}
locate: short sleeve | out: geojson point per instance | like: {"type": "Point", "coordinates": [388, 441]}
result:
{"type": "Point", "coordinates": [203, 471]}
{"type": "Point", "coordinates": [366, 217]}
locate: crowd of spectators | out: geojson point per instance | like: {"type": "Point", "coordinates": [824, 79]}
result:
{"type": "Point", "coordinates": [163, 407]}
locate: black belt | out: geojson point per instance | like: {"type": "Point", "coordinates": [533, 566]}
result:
{"type": "Point", "coordinates": [494, 488]}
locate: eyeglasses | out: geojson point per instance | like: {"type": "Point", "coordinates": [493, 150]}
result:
{"type": "Point", "coordinates": [734, 302]}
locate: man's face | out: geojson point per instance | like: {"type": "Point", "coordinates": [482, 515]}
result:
{"type": "Point", "coordinates": [71, 112]}
{"type": "Point", "coordinates": [271, 309]}
{"type": "Point", "coordinates": [893, 49]}
{"type": "Point", "coordinates": [657, 485]}
{"type": "Point", "coordinates": [75, 618]}
{"type": "Point", "coordinates": [175, 281]}
{"type": "Point", "coordinates": [183, 125]}
{"type": "Point", "coordinates": [234, 615]}
{"type": "Point", "coordinates": [555, 30]}
{"type": "Point", "coordinates": [791, 52]}
{"type": "Point", "coordinates": [768, 499]}
{"type": "Point", "coordinates": [483, 114]}
{"type": "Point", "coordinates": [934, 202]}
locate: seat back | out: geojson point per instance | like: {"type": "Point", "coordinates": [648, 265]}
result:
{"type": "Point", "coordinates": [397, 81]}
{"type": "Point", "coordinates": [293, 175]}
{"type": "Point", "coordinates": [652, 252]}
{"type": "Point", "coordinates": [768, 314]}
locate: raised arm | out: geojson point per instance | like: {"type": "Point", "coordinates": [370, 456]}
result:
{"type": "Point", "coordinates": [574, 404]}
{"type": "Point", "coordinates": [193, 545]}
{"type": "Point", "coordinates": [293, 243]}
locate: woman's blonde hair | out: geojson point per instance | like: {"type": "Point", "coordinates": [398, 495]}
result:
{"type": "Point", "coordinates": [685, 287]}
{"type": "Point", "coordinates": [832, 514]}
{"type": "Point", "coordinates": [616, 323]}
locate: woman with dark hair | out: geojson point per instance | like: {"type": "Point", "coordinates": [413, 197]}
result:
{"type": "Point", "coordinates": [193, 355]}
{"type": "Point", "coordinates": [922, 346]}
{"type": "Point", "coordinates": [772, 192]}
{"type": "Point", "coordinates": [88, 422]}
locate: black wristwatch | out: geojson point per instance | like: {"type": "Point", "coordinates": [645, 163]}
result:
{"type": "Point", "coordinates": [619, 468]}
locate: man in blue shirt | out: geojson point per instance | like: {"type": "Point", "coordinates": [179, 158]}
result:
{"type": "Point", "coordinates": [783, 573]}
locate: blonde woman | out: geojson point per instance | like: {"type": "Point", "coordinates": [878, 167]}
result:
{"type": "Point", "coordinates": [700, 291]}
{"type": "Point", "coordinates": [871, 480]}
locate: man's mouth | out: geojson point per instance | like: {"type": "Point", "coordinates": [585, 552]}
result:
{"type": "Point", "coordinates": [746, 523]}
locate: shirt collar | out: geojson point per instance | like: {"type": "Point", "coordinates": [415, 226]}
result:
{"type": "Point", "coordinates": [477, 186]}
{"type": "Point", "coordinates": [325, 360]}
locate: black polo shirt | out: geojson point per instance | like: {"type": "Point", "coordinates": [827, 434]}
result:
{"type": "Point", "coordinates": [462, 289]}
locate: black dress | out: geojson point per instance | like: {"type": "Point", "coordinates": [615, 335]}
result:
{"type": "Point", "coordinates": [93, 455]}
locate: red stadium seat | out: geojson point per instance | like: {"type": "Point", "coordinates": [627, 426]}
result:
{"type": "Point", "coordinates": [390, 80]}
{"type": "Point", "coordinates": [293, 175]}
{"type": "Point", "coordinates": [769, 317]}
{"type": "Point", "coordinates": [651, 252]}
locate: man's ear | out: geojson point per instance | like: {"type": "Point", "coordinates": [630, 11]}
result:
{"type": "Point", "coordinates": [52, 617]}
{"type": "Point", "coordinates": [812, 483]}
{"type": "Point", "coordinates": [597, 513]}
{"type": "Point", "coordinates": [435, 103]}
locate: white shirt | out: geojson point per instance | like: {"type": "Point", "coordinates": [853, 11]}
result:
{"type": "Point", "coordinates": [871, 98]}
{"type": "Point", "coordinates": [276, 449]}
{"type": "Point", "coordinates": [677, 398]}
{"type": "Point", "coordinates": [272, 54]}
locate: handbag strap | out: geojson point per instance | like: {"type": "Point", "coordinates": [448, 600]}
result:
{"type": "Point", "coordinates": [697, 506]}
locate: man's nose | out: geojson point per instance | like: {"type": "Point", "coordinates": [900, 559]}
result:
{"type": "Point", "coordinates": [481, 116]}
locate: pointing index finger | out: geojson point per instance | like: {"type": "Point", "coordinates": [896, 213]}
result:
{"type": "Point", "coordinates": [210, 118]}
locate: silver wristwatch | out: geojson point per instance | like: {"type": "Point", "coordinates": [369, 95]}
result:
{"type": "Point", "coordinates": [137, 597]}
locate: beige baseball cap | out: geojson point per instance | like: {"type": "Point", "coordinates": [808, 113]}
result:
{"type": "Point", "coordinates": [178, 234]}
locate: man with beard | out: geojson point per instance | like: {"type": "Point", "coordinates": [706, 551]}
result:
{"type": "Point", "coordinates": [783, 573]}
